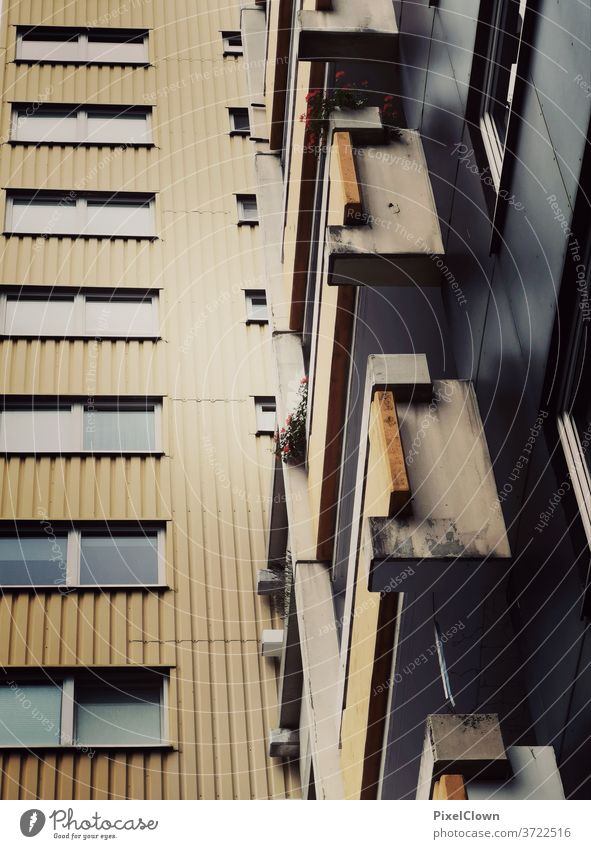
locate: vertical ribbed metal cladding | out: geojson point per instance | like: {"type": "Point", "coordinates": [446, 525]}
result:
{"type": "Point", "coordinates": [211, 488]}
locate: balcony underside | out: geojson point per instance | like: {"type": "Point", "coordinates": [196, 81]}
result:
{"type": "Point", "coordinates": [364, 30]}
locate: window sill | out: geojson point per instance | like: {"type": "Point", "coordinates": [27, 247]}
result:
{"type": "Point", "coordinates": [264, 433]}
{"type": "Point", "coordinates": [113, 144]}
{"type": "Point", "coordinates": [75, 236]}
{"type": "Point", "coordinates": [83, 454]}
{"type": "Point", "coordinates": [77, 337]}
{"type": "Point", "coordinates": [82, 63]}
{"type": "Point", "coordinates": [83, 748]}
{"type": "Point", "coordinates": [69, 589]}
{"type": "Point", "coordinates": [234, 53]}
{"type": "Point", "coordinates": [257, 321]}
{"type": "Point", "coordinates": [244, 133]}
{"type": "Point", "coordinates": [243, 223]}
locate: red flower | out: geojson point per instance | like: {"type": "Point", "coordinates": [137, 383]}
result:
{"type": "Point", "coordinates": [388, 98]}
{"type": "Point", "coordinates": [282, 430]}
{"type": "Point", "coordinates": [304, 380]}
{"type": "Point", "coordinates": [339, 75]}
{"type": "Point", "coordinates": [286, 449]}
{"type": "Point", "coordinates": [288, 420]}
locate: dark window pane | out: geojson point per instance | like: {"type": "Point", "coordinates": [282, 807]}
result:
{"type": "Point", "coordinates": [108, 716]}
{"type": "Point", "coordinates": [33, 559]}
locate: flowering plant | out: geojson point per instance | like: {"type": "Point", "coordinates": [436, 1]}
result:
{"type": "Point", "coordinates": [344, 95]}
{"type": "Point", "coordinates": [391, 115]}
{"type": "Point", "coordinates": [290, 441]}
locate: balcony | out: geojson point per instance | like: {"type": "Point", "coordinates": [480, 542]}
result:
{"type": "Point", "coordinates": [464, 759]}
{"type": "Point", "coordinates": [382, 228]}
{"type": "Point", "coordinates": [364, 30]}
{"type": "Point", "coordinates": [444, 525]}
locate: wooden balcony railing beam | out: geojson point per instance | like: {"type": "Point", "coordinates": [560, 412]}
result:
{"type": "Point", "coordinates": [386, 430]}
{"type": "Point", "coordinates": [353, 213]}
{"type": "Point", "coordinates": [450, 788]}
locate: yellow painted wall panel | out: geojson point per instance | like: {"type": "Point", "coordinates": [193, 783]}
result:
{"type": "Point", "coordinates": [214, 482]}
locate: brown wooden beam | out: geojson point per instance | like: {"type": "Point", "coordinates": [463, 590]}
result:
{"type": "Point", "coordinates": [281, 74]}
{"type": "Point", "coordinates": [377, 715]}
{"type": "Point", "coordinates": [388, 432]}
{"type": "Point", "coordinates": [305, 216]}
{"type": "Point", "coordinates": [353, 212]}
{"type": "Point", "coordinates": [337, 402]}
{"type": "Point", "coordinates": [451, 787]}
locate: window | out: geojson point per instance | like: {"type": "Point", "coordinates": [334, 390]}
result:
{"type": "Point", "coordinates": [52, 313]}
{"type": "Point", "coordinates": [78, 427]}
{"type": "Point", "coordinates": [114, 708]}
{"type": "Point", "coordinates": [111, 716]}
{"type": "Point", "coordinates": [30, 713]}
{"type": "Point", "coordinates": [82, 46]}
{"type": "Point", "coordinates": [266, 416]}
{"type": "Point", "coordinates": [46, 213]}
{"type": "Point", "coordinates": [33, 558]}
{"type": "Point", "coordinates": [80, 124]}
{"type": "Point", "coordinates": [232, 43]}
{"type": "Point", "coordinates": [239, 121]}
{"type": "Point", "coordinates": [256, 306]}
{"type": "Point", "coordinates": [506, 25]}
{"type": "Point", "coordinates": [247, 209]}
{"type": "Point", "coordinates": [57, 555]}
{"type": "Point", "coordinates": [127, 429]}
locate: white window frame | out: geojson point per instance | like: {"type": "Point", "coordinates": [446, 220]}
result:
{"type": "Point", "coordinates": [261, 401]}
{"type": "Point", "coordinates": [82, 42]}
{"type": "Point", "coordinates": [241, 201]}
{"type": "Point", "coordinates": [81, 115]}
{"type": "Point", "coordinates": [251, 315]}
{"type": "Point", "coordinates": [81, 206]}
{"type": "Point", "coordinates": [78, 328]}
{"type": "Point", "coordinates": [68, 683]}
{"type": "Point", "coordinates": [232, 49]}
{"type": "Point", "coordinates": [234, 130]}
{"type": "Point", "coordinates": [77, 409]}
{"type": "Point", "coordinates": [494, 147]}
{"type": "Point", "coordinates": [74, 551]}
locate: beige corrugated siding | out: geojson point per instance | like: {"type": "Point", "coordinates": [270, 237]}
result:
{"type": "Point", "coordinates": [212, 486]}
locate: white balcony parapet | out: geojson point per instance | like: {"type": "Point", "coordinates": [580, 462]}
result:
{"type": "Point", "coordinates": [455, 530]}
{"type": "Point", "coordinates": [356, 30]}
{"type": "Point", "coordinates": [535, 777]}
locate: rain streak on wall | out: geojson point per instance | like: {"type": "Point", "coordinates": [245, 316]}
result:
{"type": "Point", "coordinates": [212, 485]}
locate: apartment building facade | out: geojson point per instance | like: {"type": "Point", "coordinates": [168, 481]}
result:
{"type": "Point", "coordinates": [424, 201]}
{"type": "Point", "coordinates": [136, 419]}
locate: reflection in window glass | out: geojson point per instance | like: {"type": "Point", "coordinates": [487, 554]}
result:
{"type": "Point", "coordinates": [107, 715]}
{"type": "Point", "coordinates": [38, 560]}
{"type": "Point", "coordinates": [119, 559]}
{"type": "Point", "coordinates": [119, 430]}
{"type": "Point", "coordinates": [30, 714]}
{"type": "Point", "coordinates": [119, 316]}
{"type": "Point", "coordinates": [39, 316]}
